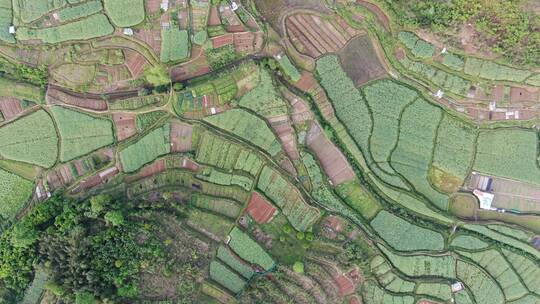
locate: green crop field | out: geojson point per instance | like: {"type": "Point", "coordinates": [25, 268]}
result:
{"type": "Point", "coordinates": [386, 100]}
{"type": "Point", "coordinates": [225, 277]}
{"type": "Point", "coordinates": [146, 120]}
{"type": "Point", "coordinates": [226, 179]}
{"type": "Point", "coordinates": [263, 98]}
{"type": "Point", "coordinates": [146, 149]}
{"type": "Point", "coordinates": [299, 213]}
{"type": "Point", "coordinates": [174, 44]}
{"type": "Point", "coordinates": [249, 250]}
{"type": "Point", "coordinates": [468, 242]}
{"type": "Point", "coordinates": [80, 11]}
{"type": "Point", "coordinates": [14, 191]}
{"type": "Point", "coordinates": [508, 153]}
{"type": "Point", "coordinates": [6, 20]}
{"type": "Point", "coordinates": [218, 152]}
{"type": "Point", "coordinates": [496, 265]}
{"type": "Point", "coordinates": [412, 155]}
{"type": "Point", "coordinates": [455, 147]}
{"type": "Point", "coordinates": [80, 134]}
{"type": "Point", "coordinates": [494, 71]}
{"type": "Point", "coordinates": [373, 294]}
{"type": "Point", "coordinates": [31, 139]}
{"type": "Point", "coordinates": [288, 68]}
{"type": "Point", "coordinates": [94, 26]}
{"type": "Point", "coordinates": [526, 268]}
{"type": "Point", "coordinates": [248, 127]}
{"type": "Point", "coordinates": [484, 289]}
{"type": "Point", "coordinates": [222, 206]}
{"type": "Point", "coordinates": [437, 290]}
{"type": "Point", "coordinates": [512, 232]}
{"type": "Point", "coordinates": [423, 265]}
{"type": "Point", "coordinates": [418, 47]}
{"type": "Point", "coordinates": [453, 61]}
{"type": "Point", "coordinates": [403, 235]}
{"type": "Point", "coordinates": [125, 13]}
{"type": "Point", "coordinates": [228, 258]}
{"type": "Point", "coordinates": [30, 10]}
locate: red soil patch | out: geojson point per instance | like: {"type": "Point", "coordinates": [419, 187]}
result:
{"type": "Point", "coordinates": [223, 40]}
{"type": "Point", "coordinates": [213, 18]}
{"type": "Point", "coordinates": [55, 96]}
{"type": "Point", "coordinates": [345, 285]}
{"type": "Point", "coordinates": [135, 62]}
{"type": "Point", "coordinates": [10, 107]}
{"type": "Point", "coordinates": [400, 54]}
{"type": "Point", "coordinates": [260, 209]}
{"type": "Point", "coordinates": [288, 166]}
{"type": "Point", "coordinates": [313, 36]}
{"type": "Point", "coordinates": [125, 125]}
{"type": "Point", "coordinates": [181, 137]}
{"type": "Point", "coordinates": [355, 300]}
{"type": "Point", "coordinates": [97, 179]}
{"type": "Point", "coordinates": [334, 223]}
{"type": "Point", "coordinates": [235, 28]}
{"type": "Point", "coordinates": [153, 6]}
{"type": "Point", "coordinates": [244, 42]}
{"type": "Point", "coordinates": [309, 84]}
{"type": "Point", "coordinates": [519, 94]}
{"type": "Point", "coordinates": [59, 177]}
{"type": "Point", "coordinates": [381, 16]}
{"type": "Point", "coordinates": [497, 93]}
{"type": "Point", "coordinates": [333, 162]}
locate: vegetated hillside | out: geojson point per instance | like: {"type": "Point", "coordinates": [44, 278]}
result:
{"type": "Point", "coordinates": [508, 28]}
{"type": "Point", "coordinates": [137, 167]}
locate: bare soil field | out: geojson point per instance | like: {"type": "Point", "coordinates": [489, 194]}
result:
{"type": "Point", "coordinates": [213, 17]}
{"type": "Point", "coordinates": [149, 170]}
{"type": "Point", "coordinates": [300, 110]}
{"type": "Point", "coordinates": [314, 36]}
{"type": "Point", "coordinates": [196, 67]}
{"type": "Point", "coordinates": [10, 107]}
{"type": "Point", "coordinates": [360, 61]}
{"type": "Point", "coordinates": [152, 37]}
{"type": "Point", "coordinates": [153, 6]}
{"type": "Point", "coordinates": [135, 62]}
{"type": "Point", "coordinates": [282, 126]}
{"type": "Point", "coordinates": [181, 136]}
{"type": "Point", "coordinates": [125, 125]}
{"type": "Point", "coordinates": [260, 209]}
{"type": "Point", "coordinates": [223, 40]}
{"type": "Point", "coordinates": [523, 94]}
{"type": "Point", "coordinates": [55, 96]}
{"type": "Point", "coordinates": [275, 10]}
{"type": "Point", "coordinates": [333, 162]}
{"type": "Point", "coordinates": [244, 42]}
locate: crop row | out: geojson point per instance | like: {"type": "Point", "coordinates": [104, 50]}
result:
{"type": "Point", "coordinates": [151, 146]}
{"type": "Point", "coordinates": [226, 179]}
{"type": "Point", "coordinates": [222, 206]}
{"type": "Point", "coordinates": [248, 127]}
{"type": "Point", "coordinates": [264, 99]}
{"type": "Point", "coordinates": [94, 26]}
{"type": "Point", "coordinates": [218, 152]}
{"type": "Point", "coordinates": [405, 236]}
{"type": "Point", "coordinates": [249, 250]}
{"type": "Point", "coordinates": [288, 199]}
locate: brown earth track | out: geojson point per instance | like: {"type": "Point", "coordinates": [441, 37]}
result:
{"type": "Point", "coordinates": [55, 96]}
{"type": "Point", "coordinates": [379, 13]}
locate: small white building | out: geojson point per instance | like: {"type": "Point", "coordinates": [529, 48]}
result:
{"type": "Point", "coordinates": [12, 29]}
{"type": "Point", "coordinates": [164, 5]}
{"type": "Point", "coordinates": [128, 31]}
{"type": "Point", "coordinates": [234, 6]}
{"type": "Point", "coordinates": [457, 286]}
{"type": "Point", "coordinates": [485, 199]}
